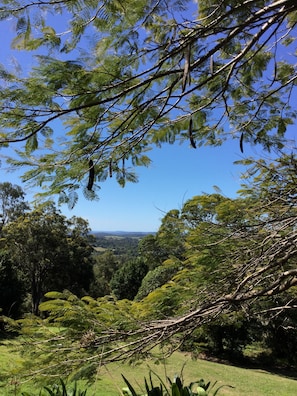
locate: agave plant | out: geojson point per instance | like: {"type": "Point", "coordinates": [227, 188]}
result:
{"type": "Point", "coordinates": [176, 388]}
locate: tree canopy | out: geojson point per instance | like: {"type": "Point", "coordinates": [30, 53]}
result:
{"type": "Point", "coordinates": [115, 83]}
{"type": "Point", "coordinates": [49, 252]}
{"type": "Point", "coordinates": [12, 202]}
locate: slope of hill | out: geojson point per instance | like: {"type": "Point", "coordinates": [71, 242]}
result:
{"type": "Point", "coordinates": [119, 242]}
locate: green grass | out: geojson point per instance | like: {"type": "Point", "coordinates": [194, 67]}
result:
{"type": "Point", "coordinates": [247, 382]}
{"type": "Point", "coordinates": [9, 363]}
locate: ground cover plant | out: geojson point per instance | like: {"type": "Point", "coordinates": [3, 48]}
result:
{"type": "Point", "coordinates": [59, 390]}
{"type": "Point", "coordinates": [175, 387]}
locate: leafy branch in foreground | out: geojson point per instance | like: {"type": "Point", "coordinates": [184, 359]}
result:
{"type": "Point", "coordinates": [167, 72]}
{"type": "Point", "coordinates": [240, 254]}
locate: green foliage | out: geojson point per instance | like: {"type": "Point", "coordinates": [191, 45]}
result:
{"type": "Point", "coordinates": [229, 245]}
{"type": "Point", "coordinates": [60, 390]}
{"type": "Point", "coordinates": [233, 282]}
{"type": "Point", "coordinates": [278, 335]}
{"type": "Point", "coordinates": [12, 289]}
{"type": "Point", "coordinates": [152, 252]}
{"type": "Point", "coordinates": [225, 337]}
{"type": "Point", "coordinates": [71, 335]}
{"type": "Point", "coordinates": [105, 265]}
{"type": "Point", "coordinates": [170, 235]}
{"type": "Point", "coordinates": [156, 278]}
{"type": "Point", "coordinates": [112, 110]}
{"type": "Point", "coordinates": [126, 280]}
{"type": "Point", "coordinates": [168, 300]}
{"type": "Point", "coordinates": [175, 388]}
{"type": "Point", "coordinates": [12, 202]}
{"type": "Point", "coordinates": [56, 391]}
{"type": "Point", "coordinates": [63, 258]}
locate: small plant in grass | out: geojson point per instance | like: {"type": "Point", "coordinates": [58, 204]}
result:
{"type": "Point", "coordinates": [175, 388]}
{"type": "Point", "coordinates": [59, 390]}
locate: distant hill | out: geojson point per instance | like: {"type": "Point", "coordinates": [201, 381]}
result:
{"type": "Point", "coordinates": [121, 243]}
{"type": "Point", "coordinates": [124, 234]}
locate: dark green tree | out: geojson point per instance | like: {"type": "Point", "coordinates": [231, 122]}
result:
{"type": "Point", "coordinates": [154, 251]}
{"type": "Point", "coordinates": [171, 234]}
{"type": "Point", "coordinates": [105, 265]}
{"type": "Point", "coordinates": [278, 335]}
{"type": "Point", "coordinates": [12, 291]}
{"type": "Point", "coordinates": [47, 253]}
{"type": "Point", "coordinates": [12, 205]}
{"type": "Point", "coordinates": [157, 277]}
{"type": "Point", "coordinates": [127, 280]}
{"type": "Point", "coordinates": [77, 272]}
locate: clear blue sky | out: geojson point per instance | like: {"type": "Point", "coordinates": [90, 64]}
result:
{"type": "Point", "coordinates": [177, 173]}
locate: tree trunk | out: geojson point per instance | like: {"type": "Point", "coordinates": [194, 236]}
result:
{"type": "Point", "coordinates": [36, 295]}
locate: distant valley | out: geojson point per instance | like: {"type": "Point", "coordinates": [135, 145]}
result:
{"type": "Point", "coordinates": [119, 242]}
{"type": "Point", "coordinates": [124, 234]}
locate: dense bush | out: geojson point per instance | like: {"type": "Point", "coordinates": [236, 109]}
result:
{"type": "Point", "coordinates": [11, 288]}
{"type": "Point", "coordinates": [127, 280]}
{"type": "Point", "coordinates": [156, 278]}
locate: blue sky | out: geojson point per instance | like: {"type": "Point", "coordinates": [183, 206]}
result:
{"type": "Point", "coordinates": [177, 173]}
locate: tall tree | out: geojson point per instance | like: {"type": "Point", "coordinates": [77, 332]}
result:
{"type": "Point", "coordinates": [198, 72]}
{"type": "Point", "coordinates": [106, 264]}
{"type": "Point", "coordinates": [12, 291]}
{"type": "Point", "coordinates": [12, 202]}
{"type": "Point", "coordinates": [45, 254]}
{"type": "Point", "coordinates": [151, 252]}
{"type": "Point", "coordinates": [12, 206]}
{"type": "Point", "coordinates": [171, 233]}
{"type": "Point", "coordinates": [126, 281]}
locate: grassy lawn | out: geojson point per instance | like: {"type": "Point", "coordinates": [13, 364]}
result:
{"type": "Point", "coordinates": [246, 382]}
{"type": "Point", "coordinates": [9, 364]}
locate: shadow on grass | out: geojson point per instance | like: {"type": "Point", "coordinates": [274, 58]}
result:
{"type": "Point", "coordinates": [263, 362]}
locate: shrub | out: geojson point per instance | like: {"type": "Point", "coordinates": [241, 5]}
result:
{"type": "Point", "coordinates": [127, 280]}
{"type": "Point", "coordinates": [175, 388]}
{"type": "Point", "coordinates": [156, 278]}
{"type": "Point", "coordinates": [59, 390]}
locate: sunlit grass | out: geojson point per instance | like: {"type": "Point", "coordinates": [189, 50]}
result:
{"type": "Point", "coordinates": [10, 363]}
{"type": "Point", "coordinates": [109, 382]}
{"type": "Point", "coordinates": [246, 382]}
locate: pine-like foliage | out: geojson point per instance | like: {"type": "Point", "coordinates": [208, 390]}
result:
{"type": "Point", "coordinates": [107, 84]}
{"type": "Point", "coordinates": [238, 272]}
